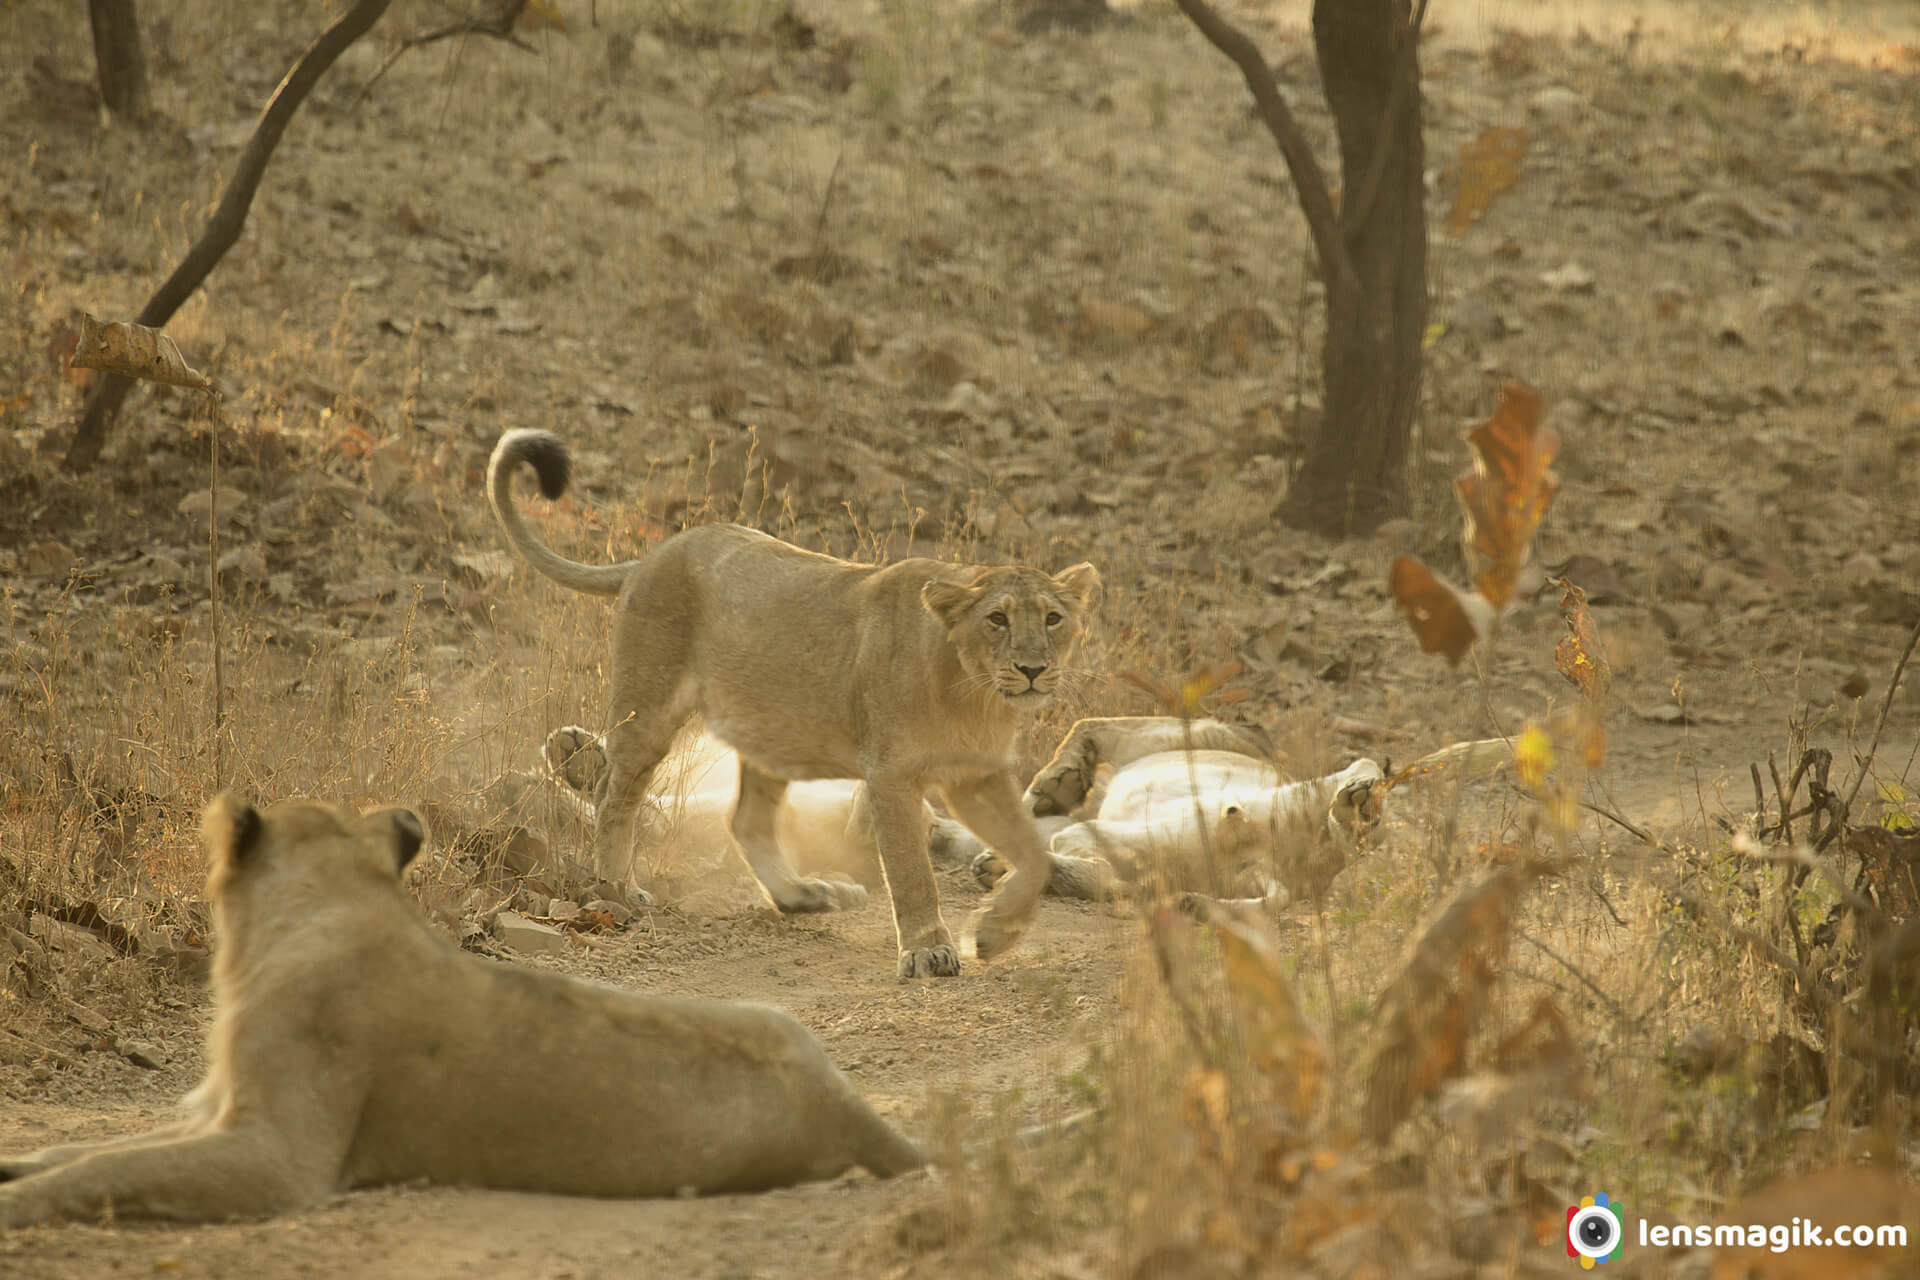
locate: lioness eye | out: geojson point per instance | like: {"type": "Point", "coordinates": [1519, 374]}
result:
{"type": "Point", "coordinates": [997, 618]}
{"type": "Point", "coordinates": [1054, 619]}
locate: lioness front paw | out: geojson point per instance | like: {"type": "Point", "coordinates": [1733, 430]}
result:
{"type": "Point", "coordinates": [994, 934]}
{"type": "Point", "coordinates": [989, 869]}
{"type": "Point", "coordinates": [806, 897]}
{"type": "Point", "coordinates": [942, 961]}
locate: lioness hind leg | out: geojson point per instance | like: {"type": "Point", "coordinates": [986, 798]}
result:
{"type": "Point", "coordinates": [753, 828]}
{"type": "Point", "coordinates": [235, 1173]}
{"type": "Point", "coordinates": [633, 751]}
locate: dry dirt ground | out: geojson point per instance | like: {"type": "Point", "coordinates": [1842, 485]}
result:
{"type": "Point", "coordinates": [989, 282]}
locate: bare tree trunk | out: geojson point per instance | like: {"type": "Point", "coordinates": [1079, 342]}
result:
{"type": "Point", "coordinates": [121, 63]}
{"type": "Point", "coordinates": [1354, 476]}
{"type": "Point", "coordinates": [1372, 252]}
{"type": "Point", "coordinates": [228, 220]}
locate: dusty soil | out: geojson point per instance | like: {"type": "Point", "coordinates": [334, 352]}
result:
{"type": "Point", "coordinates": [887, 283]}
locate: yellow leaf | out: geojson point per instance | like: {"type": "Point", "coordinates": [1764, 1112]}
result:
{"type": "Point", "coordinates": [1533, 757]}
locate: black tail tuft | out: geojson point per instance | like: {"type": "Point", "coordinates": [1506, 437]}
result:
{"type": "Point", "coordinates": [551, 462]}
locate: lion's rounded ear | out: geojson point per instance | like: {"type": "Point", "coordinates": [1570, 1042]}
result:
{"type": "Point", "coordinates": [409, 833]}
{"type": "Point", "coordinates": [230, 828]}
{"type": "Point", "coordinates": [948, 600]}
{"type": "Point", "coordinates": [1081, 582]}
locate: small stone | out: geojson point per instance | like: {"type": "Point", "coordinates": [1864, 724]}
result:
{"type": "Point", "coordinates": [530, 936]}
{"type": "Point", "coordinates": [142, 1054]}
{"type": "Point", "coordinates": [194, 506]}
{"type": "Point", "coordinates": [244, 567]}
{"type": "Point", "coordinates": [561, 909]}
{"type": "Point", "coordinates": [1556, 104]}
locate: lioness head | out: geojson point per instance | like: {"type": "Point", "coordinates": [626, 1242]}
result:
{"type": "Point", "coordinates": [301, 843]}
{"type": "Point", "coordinates": [1012, 626]}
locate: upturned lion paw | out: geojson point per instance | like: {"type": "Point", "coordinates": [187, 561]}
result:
{"type": "Point", "coordinates": [942, 961]}
{"type": "Point", "coordinates": [627, 895]}
{"type": "Point", "coordinates": [989, 869]}
{"type": "Point", "coordinates": [995, 934]}
{"type": "Point", "coordinates": [808, 897]}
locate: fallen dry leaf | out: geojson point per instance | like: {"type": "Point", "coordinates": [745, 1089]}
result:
{"type": "Point", "coordinates": [1489, 164]}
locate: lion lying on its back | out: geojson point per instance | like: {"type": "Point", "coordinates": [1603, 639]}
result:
{"type": "Point", "coordinates": [353, 1046]}
{"type": "Point", "coordinates": [1126, 802]}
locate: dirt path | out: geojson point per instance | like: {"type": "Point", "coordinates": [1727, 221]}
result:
{"type": "Point", "coordinates": [1023, 1023]}
{"type": "Point", "coordinates": [889, 283]}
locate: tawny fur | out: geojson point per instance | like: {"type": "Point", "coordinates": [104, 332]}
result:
{"type": "Point", "coordinates": [352, 1045]}
{"type": "Point", "coordinates": [909, 677]}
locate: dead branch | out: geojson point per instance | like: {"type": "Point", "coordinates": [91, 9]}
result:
{"type": "Point", "coordinates": [228, 220]}
{"type": "Point", "coordinates": [1316, 198]}
{"type": "Point", "coordinates": [499, 25]}
{"type": "Point", "coordinates": [1886, 702]}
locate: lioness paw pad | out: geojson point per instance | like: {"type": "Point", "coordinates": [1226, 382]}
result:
{"type": "Point", "coordinates": [941, 961]}
{"type": "Point", "coordinates": [989, 869]}
{"type": "Point", "coordinates": [807, 897]}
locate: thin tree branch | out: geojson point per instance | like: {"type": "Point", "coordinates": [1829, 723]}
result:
{"type": "Point", "coordinates": [1309, 183]}
{"type": "Point", "coordinates": [1886, 702]}
{"type": "Point", "coordinates": [229, 219]}
{"type": "Point", "coordinates": [499, 25]}
{"type": "Point", "coordinates": [1355, 211]}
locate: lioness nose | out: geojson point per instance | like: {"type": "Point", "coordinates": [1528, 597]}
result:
{"type": "Point", "coordinates": [1031, 673]}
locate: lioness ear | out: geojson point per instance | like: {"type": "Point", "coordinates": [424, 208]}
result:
{"type": "Point", "coordinates": [409, 833]}
{"type": "Point", "coordinates": [948, 600]}
{"type": "Point", "coordinates": [230, 828]}
{"type": "Point", "coordinates": [1082, 583]}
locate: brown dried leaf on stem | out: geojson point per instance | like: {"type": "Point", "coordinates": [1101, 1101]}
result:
{"type": "Point", "coordinates": [1507, 492]}
{"type": "Point", "coordinates": [1503, 497]}
{"type": "Point", "coordinates": [1428, 1012]}
{"type": "Point", "coordinates": [135, 351]}
{"type": "Point", "coordinates": [1580, 656]}
{"type": "Point", "coordinates": [1280, 1042]}
{"type": "Point", "coordinates": [1445, 619]}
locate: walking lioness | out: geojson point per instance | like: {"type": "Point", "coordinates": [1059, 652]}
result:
{"type": "Point", "coordinates": [352, 1045]}
{"type": "Point", "coordinates": [909, 676]}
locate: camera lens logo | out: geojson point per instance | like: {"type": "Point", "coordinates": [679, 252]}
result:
{"type": "Point", "coordinates": [1594, 1232]}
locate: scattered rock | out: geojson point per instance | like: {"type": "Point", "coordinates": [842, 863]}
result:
{"type": "Point", "coordinates": [1570, 277]}
{"type": "Point", "coordinates": [195, 505]}
{"type": "Point", "coordinates": [244, 567]}
{"type": "Point", "coordinates": [1556, 104]}
{"type": "Point", "coordinates": [142, 1053]}
{"type": "Point", "coordinates": [529, 936]}
{"type": "Point", "coordinates": [479, 568]}
{"type": "Point", "coordinates": [561, 910]}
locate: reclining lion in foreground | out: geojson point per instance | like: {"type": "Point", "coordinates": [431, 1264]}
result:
{"type": "Point", "coordinates": [352, 1046]}
{"type": "Point", "coordinates": [1126, 802]}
